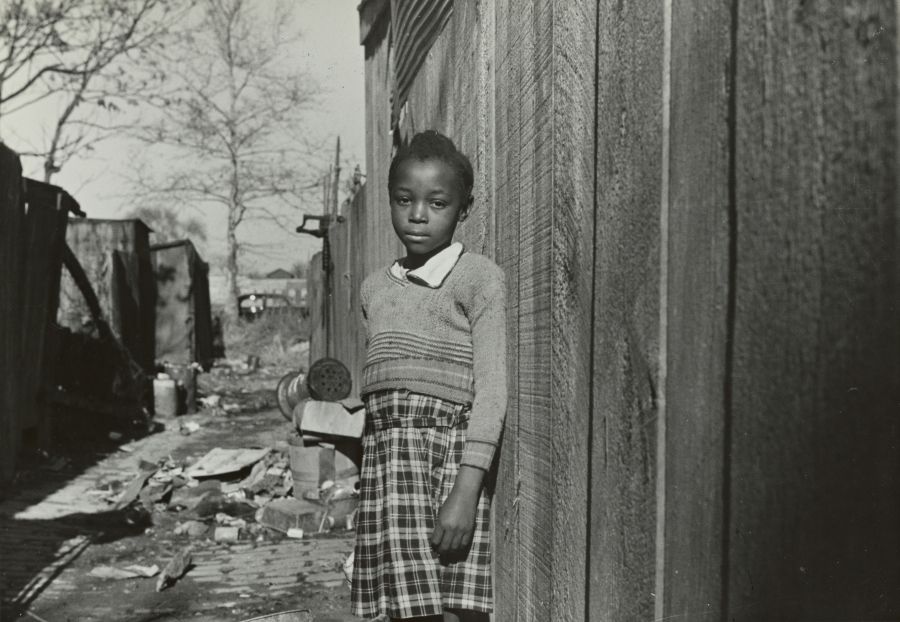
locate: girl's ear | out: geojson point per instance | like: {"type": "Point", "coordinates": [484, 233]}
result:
{"type": "Point", "coordinates": [464, 211]}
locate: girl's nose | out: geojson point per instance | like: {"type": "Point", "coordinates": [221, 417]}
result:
{"type": "Point", "coordinates": [419, 213]}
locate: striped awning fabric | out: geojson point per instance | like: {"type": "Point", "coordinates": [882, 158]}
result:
{"type": "Point", "coordinates": [415, 25]}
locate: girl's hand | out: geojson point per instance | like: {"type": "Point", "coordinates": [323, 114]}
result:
{"type": "Point", "coordinates": [455, 522]}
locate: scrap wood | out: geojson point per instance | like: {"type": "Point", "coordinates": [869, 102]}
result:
{"type": "Point", "coordinates": [175, 569]}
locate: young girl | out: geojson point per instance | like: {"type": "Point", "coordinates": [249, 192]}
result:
{"type": "Point", "coordinates": [434, 384]}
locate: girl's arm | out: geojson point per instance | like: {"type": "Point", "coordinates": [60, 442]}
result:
{"type": "Point", "coordinates": [456, 519]}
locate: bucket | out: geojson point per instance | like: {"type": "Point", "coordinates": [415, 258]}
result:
{"type": "Point", "coordinates": [165, 396]}
{"type": "Point", "coordinates": [304, 465]}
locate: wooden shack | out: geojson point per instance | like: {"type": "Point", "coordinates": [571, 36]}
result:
{"type": "Point", "coordinates": [33, 219]}
{"type": "Point", "coordinates": [107, 309]}
{"type": "Point", "coordinates": [697, 211]}
{"type": "Point", "coordinates": [183, 318]}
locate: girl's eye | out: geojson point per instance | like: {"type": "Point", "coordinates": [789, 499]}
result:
{"type": "Point", "coordinates": [401, 200]}
{"type": "Point", "coordinates": [439, 204]}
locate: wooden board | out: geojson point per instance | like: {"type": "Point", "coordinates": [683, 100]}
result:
{"type": "Point", "coordinates": [45, 233]}
{"type": "Point", "coordinates": [626, 311]}
{"type": "Point", "coordinates": [699, 215]}
{"type": "Point", "coordinates": [574, 40]}
{"type": "Point", "coordinates": [815, 467]}
{"type": "Point", "coordinates": [508, 556]}
{"type": "Point", "coordinates": [12, 228]}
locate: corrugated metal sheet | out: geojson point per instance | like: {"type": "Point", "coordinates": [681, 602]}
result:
{"type": "Point", "coordinates": [415, 25]}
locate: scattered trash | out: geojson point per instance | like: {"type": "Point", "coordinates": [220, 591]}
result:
{"type": "Point", "coordinates": [230, 521]}
{"type": "Point", "coordinates": [144, 571]}
{"type": "Point", "coordinates": [109, 572]}
{"type": "Point", "coordinates": [286, 513]}
{"type": "Point", "coordinates": [192, 528]}
{"type": "Point", "coordinates": [134, 487]}
{"type": "Point", "coordinates": [133, 571]}
{"type": "Point", "coordinates": [295, 532]}
{"type": "Point", "coordinates": [224, 461]}
{"type": "Point", "coordinates": [331, 418]}
{"type": "Point", "coordinates": [189, 427]}
{"type": "Point", "coordinates": [175, 569]}
{"type": "Point", "coordinates": [115, 436]}
{"type": "Point", "coordinates": [211, 401]}
{"type": "Point", "coordinates": [347, 567]}
{"type": "Point", "coordinates": [226, 534]}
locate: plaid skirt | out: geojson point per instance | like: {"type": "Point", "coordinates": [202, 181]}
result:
{"type": "Point", "coordinates": [412, 447]}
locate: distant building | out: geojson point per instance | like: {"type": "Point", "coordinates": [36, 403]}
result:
{"type": "Point", "coordinates": [280, 273]}
{"type": "Point", "coordinates": [292, 288]}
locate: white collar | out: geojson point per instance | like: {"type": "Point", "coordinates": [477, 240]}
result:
{"type": "Point", "coordinates": [433, 272]}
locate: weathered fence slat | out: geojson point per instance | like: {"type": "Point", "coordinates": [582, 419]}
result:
{"type": "Point", "coordinates": [12, 229]}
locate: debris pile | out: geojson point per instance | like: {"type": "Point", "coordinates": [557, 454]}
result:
{"type": "Point", "coordinates": [228, 496]}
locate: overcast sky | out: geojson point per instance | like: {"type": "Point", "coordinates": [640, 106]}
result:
{"type": "Point", "coordinates": [329, 48]}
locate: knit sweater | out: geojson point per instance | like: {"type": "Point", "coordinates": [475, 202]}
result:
{"type": "Point", "coordinates": [447, 341]}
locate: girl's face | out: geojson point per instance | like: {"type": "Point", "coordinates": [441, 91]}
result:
{"type": "Point", "coordinates": [427, 203]}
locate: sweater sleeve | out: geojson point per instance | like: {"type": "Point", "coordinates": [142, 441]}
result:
{"type": "Point", "coordinates": [487, 317]}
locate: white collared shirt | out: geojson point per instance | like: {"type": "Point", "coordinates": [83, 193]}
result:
{"type": "Point", "coordinates": [433, 272]}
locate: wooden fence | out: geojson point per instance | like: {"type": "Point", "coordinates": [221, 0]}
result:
{"type": "Point", "coordinates": [335, 328]}
{"type": "Point", "coordinates": [696, 208]}
{"type": "Point", "coordinates": [33, 221]}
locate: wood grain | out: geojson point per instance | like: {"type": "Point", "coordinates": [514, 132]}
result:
{"type": "Point", "coordinates": [12, 228]}
{"type": "Point", "coordinates": [815, 471]}
{"type": "Point", "coordinates": [697, 313]}
{"type": "Point", "coordinates": [626, 310]}
{"type": "Point", "coordinates": [574, 57]}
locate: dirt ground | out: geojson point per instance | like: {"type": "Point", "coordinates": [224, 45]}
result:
{"type": "Point", "coordinates": [58, 525]}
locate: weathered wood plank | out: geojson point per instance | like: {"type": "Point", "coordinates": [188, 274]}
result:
{"type": "Point", "coordinates": [45, 230]}
{"type": "Point", "coordinates": [508, 557]}
{"type": "Point", "coordinates": [533, 52]}
{"type": "Point", "coordinates": [626, 316]}
{"type": "Point", "coordinates": [697, 310]}
{"type": "Point", "coordinates": [12, 228]}
{"type": "Point", "coordinates": [574, 41]}
{"type": "Point", "coordinates": [815, 473]}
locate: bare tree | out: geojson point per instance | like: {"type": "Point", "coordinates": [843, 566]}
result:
{"type": "Point", "coordinates": [235, 122]}
{"type": "Point", "coordinates": [85, 57]}
{"type": "Point", "coordinates": [168, 225]}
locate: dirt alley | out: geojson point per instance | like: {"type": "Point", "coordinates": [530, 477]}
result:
{"type": "Point", "coordinates": [55, 527]}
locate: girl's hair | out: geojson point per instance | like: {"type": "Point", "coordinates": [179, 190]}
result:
{"type": "Point", "coordinates": [432, 145]}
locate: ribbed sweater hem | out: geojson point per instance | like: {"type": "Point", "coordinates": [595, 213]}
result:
{"type": "Point", "coordinates": [449, 381]}
{"type": "Point", "coordinates": [445, 392]}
